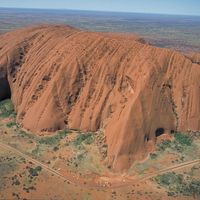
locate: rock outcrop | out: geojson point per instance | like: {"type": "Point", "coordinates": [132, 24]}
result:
{"type": "Point", "coordinates": [62, 77]}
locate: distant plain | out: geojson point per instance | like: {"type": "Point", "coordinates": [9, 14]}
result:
{"type": "Point", "coordinates": [170, 31]}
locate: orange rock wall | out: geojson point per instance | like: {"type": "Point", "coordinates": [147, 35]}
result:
{"type": "Point", "coordinates": [62, 77]}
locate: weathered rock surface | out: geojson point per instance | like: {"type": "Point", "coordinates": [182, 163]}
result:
{"type": "Point", "coordinates": [62, 77]}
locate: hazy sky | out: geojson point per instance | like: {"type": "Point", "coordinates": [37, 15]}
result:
{"type": "Point", "coordinates": [188, 7]}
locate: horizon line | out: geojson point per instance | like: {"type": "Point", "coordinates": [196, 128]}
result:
{"type": "Point", "coordinates": [106, 11]}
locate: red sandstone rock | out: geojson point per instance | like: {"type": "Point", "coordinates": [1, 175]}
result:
{"type": "Point", "coordinates": [63, 77]}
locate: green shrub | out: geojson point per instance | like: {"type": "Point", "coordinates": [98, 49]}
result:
{"type": "Point", "coordinates": [81, 156]}
{"type": "Point", "coordinates": [25, 134]}
{"type": "Point", "coordinates": [35, 171]}
{"type": "Point", "coordinates": [87, 138]}
{"type": "Point", "coordinates": [49, 140]}
{"type": "Point", "coordinates": [36, 152]}
{"type": "Point", "coordinates": [153, 156]}
{"type": "Point", "coordinates": [169, 178]}
{"type": "Point", "coordinates": [55, 148]}
{"type": "Point", "coordinates": [183, 139]}
{"type": "Point", "coordinates": [194, 188]}
{"type": "Point", "coordinates": [16, 182]}
{"type": "Point", "coordinates": [170, 194]}
{"type": "Point", "coordinates": [54, 140]}
{"type": "Point", "coordinates": [164, 145]}
{"type": "Point", "coordinates": [11, 124]}
{"type": "Point", "coordinates": [62, 134]}
{"type": "Point", "coordinates": [180, 143]}
{"type": "Point", "coordinates": [6, 108]}
{"type": "Point", "coordinates": [177, 184]}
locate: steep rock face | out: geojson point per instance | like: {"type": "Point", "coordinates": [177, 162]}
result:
{"type": "Point", "coordinates": [63, 77]}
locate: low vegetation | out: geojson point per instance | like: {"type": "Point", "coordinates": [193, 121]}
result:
{"type": "Point", "coordinates": [183, 139]}
{"type": "Point", "coordinates": [164, 145]}
{"type": "Point", "coordinates": [15, 180]}
{"type": "Point", "coordinates": [26, 135]}
{"type": "Point", "coordinates": [80, 149]}
{"type": "Point", "coordinates": [153, 156]}
{"type": "Point", "coordinates": [36, 152]}
{"type": "Point", "coordinates": [178, 149]}
{"type": "Point", "coordinates": [186, 184]}
{"type": "Point", "coordinates": [178, 184]}
{"type": "Point", "coordinates": [6, 109]}
{"type": "Point", "coordinates": [54, 140]}
{"type": "Point", "coordinates": [86, 138]}
{"type": "Point", "coordinates": [180, 143]}
{"type": "Point", "coordinates": [35, 171]}
{"type": "Point", "coordinates": [11, 124]}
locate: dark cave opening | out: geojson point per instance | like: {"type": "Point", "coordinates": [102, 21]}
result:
{"type": "Point", "coordinates": [146, 138]}
{"type": "Point", "coordinates": [159, 131]}
{"type": "Point", "coordinates": [5, 92]}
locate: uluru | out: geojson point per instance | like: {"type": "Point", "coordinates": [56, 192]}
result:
{"type": "Point", "coordinates": [60, 77]}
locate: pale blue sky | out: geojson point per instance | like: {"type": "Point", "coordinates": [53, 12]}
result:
{"type": "Point", "coordinates": [186, 7]}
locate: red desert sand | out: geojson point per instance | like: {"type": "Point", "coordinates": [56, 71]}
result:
{"type": "Point", "coordinates": [60, 77]}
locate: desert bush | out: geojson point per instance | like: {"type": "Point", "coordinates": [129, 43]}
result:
{"type": "Point", "coordinates": [194, 188]}
{"type": "Point", "coordinates": [178, 185]}
{"type": "Point", "coordinates": [164, 145]}
{"type": "Point", "coordinates": [6, 108]}
{"type": "Point", "coordinates": [169, 178]}
{"type": "Point", "coordinates": [36, 152]}
{"type": "Point", "coordinates": [11, 124]}
{"type": "Point", "coordinates": [153, 156]}
{"type": "Point", "coordinates": [53, 140]}
{"type": "Point", "coordinates": [180, 143]}
{"type": "Point", "coordinates": [49, 140]}
{"type": "Point", "coordinates": [183, 139]}
{"type": "Point", "coordinates": [87, 138]}
{"type": "Point", "coordinates": [24, 134]}
{"type": "Point", "coordinates": [35, 171]}
{"type": "Point", "coordinates": [55, 148]}
{"type": "Point", "coordinates": [15, 180]}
